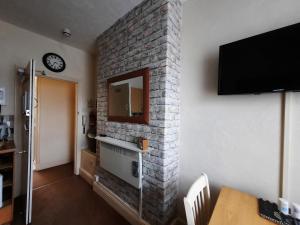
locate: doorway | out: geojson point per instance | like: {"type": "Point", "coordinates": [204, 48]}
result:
{"type": "Point", "coordinates": [55, 106]}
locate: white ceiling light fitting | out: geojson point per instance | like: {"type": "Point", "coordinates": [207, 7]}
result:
{"type": "Point", "coordinates": [66, 33]}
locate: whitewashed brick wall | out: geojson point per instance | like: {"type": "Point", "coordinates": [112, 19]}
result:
{"type": "Point", "coordinates": [147, 36]}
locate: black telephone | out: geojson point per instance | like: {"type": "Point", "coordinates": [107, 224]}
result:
{"type": "Point", "coordinates": [269, 211]}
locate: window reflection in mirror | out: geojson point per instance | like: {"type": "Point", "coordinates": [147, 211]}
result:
{"type": "Point", "coordinates": [126, 97]}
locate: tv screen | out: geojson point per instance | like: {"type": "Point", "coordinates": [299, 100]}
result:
{"type": "Point", "coordinates": [268, 62]}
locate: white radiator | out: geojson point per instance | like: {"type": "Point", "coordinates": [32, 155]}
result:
{"type": "Point", "coordinates": [122, 162]}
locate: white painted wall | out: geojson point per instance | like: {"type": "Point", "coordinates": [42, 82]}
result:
{"type": "Point", "coordinates": [234, 139]}
{"type": "Point", "coordinates": [294, 150]}
{"type": "Point", "coordinates": [18, 46]}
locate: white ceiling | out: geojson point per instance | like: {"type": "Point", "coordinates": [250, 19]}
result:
{"type": "Point", "coordinates": [87, 19]}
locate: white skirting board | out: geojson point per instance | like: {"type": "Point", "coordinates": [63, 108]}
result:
{"type": "Point", "coordinates": [43, 166]}
{"type": "Point", "coordinates": [119, 205]}
{"type": "Point", "coordinates": [86, 176]}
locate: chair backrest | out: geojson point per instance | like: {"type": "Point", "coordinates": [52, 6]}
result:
{"type": "Point", "coordinates": [197, 202]}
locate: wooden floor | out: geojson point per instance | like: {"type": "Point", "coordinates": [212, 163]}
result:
{"type": "Point", "coordinates": [54, 174]}
{"type": "Point", "coordinates": [71, 201]}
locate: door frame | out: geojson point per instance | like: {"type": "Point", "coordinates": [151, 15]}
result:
{"type": "Point", "coordinates": [31, 141]}
{"type": "Point", "coordinates": [76, 113]}
{"type": "Point", "coordinates": [25, 149]}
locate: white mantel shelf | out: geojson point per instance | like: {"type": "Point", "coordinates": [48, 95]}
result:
{"type": "Point", "coordinates": [120, 143]}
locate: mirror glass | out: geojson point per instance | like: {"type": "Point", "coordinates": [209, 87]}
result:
{"type": "Point", "coordinates": [126, 97]}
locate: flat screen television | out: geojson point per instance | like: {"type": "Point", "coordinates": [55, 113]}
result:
{"type": "Point", "coordinates": [268, 62]}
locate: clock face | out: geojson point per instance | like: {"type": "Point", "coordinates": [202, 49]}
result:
{"type": "Point", "coordinates": [54, 62]}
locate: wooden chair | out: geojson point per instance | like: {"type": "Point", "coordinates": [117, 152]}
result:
{"type": "Point", "coordinates": [197, 202]}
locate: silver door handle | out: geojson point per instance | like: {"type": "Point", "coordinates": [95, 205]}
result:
{"type": "Point", "coordinates": [27, 112]}
{"type": "Point", "coordinates": [22, 152]}
{"type": "Point", "coordinates": [25, 127]}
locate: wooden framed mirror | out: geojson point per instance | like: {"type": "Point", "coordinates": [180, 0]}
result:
{"type": "Point", "coordinates": [128, 97]}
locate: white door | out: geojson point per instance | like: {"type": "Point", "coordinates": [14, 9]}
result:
{"type": "Point", "coordinates": [28, 86]}
{"type": "Point", "coordinates": [54, 142]}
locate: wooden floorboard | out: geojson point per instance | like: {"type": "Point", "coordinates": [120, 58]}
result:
{"type": "Point", "coordinates": [51, 175]}
{"type": "Point", "coordinates": [71, 201]}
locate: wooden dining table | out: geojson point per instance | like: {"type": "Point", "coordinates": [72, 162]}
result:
{"type": "Point", "coordinates": [237, 208]}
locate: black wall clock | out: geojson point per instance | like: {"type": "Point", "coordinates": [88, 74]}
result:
{"type": "Point", "coordinates": [54, 62]}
